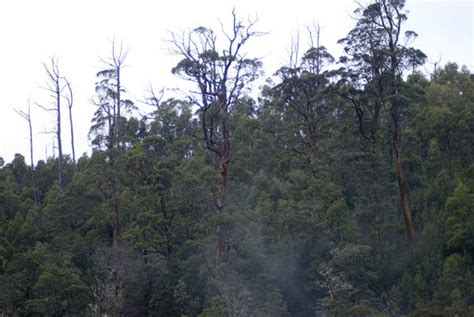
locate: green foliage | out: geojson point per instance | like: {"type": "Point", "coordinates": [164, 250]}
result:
{"type": "Point", "coordinates": [311, 216]}
{"type": "Point", "coordinates": [59, 291]}
{"type": "Point", "coordinates": [460, 220]}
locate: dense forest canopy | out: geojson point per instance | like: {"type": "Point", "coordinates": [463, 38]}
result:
{"type": "Point", "coordinates": [341, 187]}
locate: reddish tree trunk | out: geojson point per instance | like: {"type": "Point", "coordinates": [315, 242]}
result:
{"type": "Point", "coordinates": [403, 193]}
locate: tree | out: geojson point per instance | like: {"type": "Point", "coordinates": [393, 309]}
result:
{"type": "Point", "coordinates": [221, 73]}
{"type": "Point", "coordinates": [108, 121]}
{"type": "Point", "coordinates": [460, 220]}
{"type": "Point", "coordinates": [55, 85]}
{"type": "Point", "coordinates": [362, 85]}
{"type": "Point", "coordinates": [304, 96]}
{"type": "Point", "coordinates": [108, 128]}
{"type": "Point", "coordinates": [382, 62]}
{"type": "Point", "coordinates": [70, 103]}
{"type": "Point", "coordinates": [387, 14]}
{"type": "Point", "coordinates": [27, 117]}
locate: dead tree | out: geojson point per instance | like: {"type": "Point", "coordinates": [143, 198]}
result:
{"type": "Point", "coordinates": [54, 85]}
{"type": "Point", "coordinates": [27, 117]}
{"type": "Point", "coordinates": [70, 102]}
{"type": "Point", "coordinates": [221, 73]}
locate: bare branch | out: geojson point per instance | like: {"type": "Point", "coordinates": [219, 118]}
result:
{"type": "Point", "coordinates": [294, 50]}
{"type": "Point", "coordinates": [44, 108]}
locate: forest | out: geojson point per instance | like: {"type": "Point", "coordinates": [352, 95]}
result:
{"type": "Point", "coordinates": [339, 187]}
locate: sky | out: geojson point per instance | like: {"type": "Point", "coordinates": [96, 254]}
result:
{"type": "Point", "coordinates": [79, 34]}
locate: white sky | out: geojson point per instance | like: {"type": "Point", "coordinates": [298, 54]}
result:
{"type": "Point", "coordinates": [79, 33]}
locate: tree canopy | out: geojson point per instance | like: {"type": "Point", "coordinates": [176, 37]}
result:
{"type": "Point", "coordinates": [339, 187]}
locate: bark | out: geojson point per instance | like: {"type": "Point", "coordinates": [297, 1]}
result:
{"type": "Point", "coordinates": [118, 120]}
{"type": "Point", "coordinates": [397, 145]}
{"type": "Point", "coordinates": [33, 183]}
{"type": "Point", "coordinates": [73, 149]}
{"type": "Point", "coordinates": [58, 136]}
{"type": "Point", "coordinates": [69, 99]}
{"type": "Point", "coordinates": [117, 70]}
{"type": "Point", "coordinates": [403, 193]}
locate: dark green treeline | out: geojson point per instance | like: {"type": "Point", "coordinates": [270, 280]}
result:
{"type": "Point", "coordinates": [345, 188]}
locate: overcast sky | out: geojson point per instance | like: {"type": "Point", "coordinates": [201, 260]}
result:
{"type": "Point", "coordinates": [79, 33]}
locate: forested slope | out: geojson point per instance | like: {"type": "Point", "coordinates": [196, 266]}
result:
{"type": "Point", "coordinates": [345, 188]}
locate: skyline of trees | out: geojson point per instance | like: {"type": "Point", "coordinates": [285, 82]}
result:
{"type": "Point", "coordinates": [339, 188]}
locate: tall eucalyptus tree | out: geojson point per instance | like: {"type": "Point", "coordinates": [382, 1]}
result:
{"type": "Point", "coordinates": [221, 73]}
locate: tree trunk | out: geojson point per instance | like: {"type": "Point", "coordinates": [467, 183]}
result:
{"type": "Point", "coordinates": [70, 102]}
{"type": "Point", "coordinates": [397, 145]}
{"type": "Point", "coordinates": [72, 138]}
{"type": "Point", "coordinates": [403, 192]}
{"type": "Point", "coordinates": [58, 135]}
{"type": "Point", "coordinates": [27, 117]}
{"type": "Point", "coordinates": [118, 119]}
{"type": "Point", "coordinates": [33, 183]}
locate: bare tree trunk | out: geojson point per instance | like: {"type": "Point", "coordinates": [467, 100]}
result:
{"type": "Point", "coordinates": [118, 120]}
{"type": "Point", "coordinates": [117, 60]}
{"type": "Point", "coordinates": [69, 99]}
{"type": "Point", "coordinates": [55, 88]}
{"type": "Point", "coordinates": [72, 137]}
{"type": "Point", "coordinates": [27, 117]}
{"type": "Point", "coordinates": [33, 183]}
{"type": "Point", "coordinates": [58, 134]}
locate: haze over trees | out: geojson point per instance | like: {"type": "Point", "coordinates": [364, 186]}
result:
{"type": "Point", "coordinates": [340, 187]}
